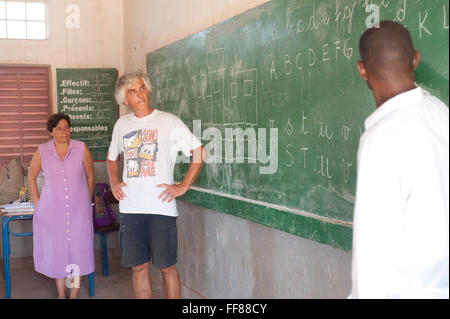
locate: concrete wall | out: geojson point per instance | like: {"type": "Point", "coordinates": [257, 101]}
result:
{"type": "Point", "coordinates": [222, 256]}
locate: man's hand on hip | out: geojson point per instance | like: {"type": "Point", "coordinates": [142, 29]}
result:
{"type": "Point", "coordinates": [172, 191]}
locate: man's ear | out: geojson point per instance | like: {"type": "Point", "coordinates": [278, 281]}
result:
{"type": "Point", "coordinates": [362, 70]}
{"type": "Point", "coordinates": [416, 59]}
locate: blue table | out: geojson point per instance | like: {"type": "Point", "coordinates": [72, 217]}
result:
{"type": "Point", "coordinates": [6, 232]}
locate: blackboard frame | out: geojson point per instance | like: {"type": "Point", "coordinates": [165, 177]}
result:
{"type": "Point", "coordinates": [333, 232]}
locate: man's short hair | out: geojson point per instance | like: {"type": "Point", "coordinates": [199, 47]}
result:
{"type": "Point", "coordinates": [127, 80]}
{"type": "Point", "coordinates": [387, 49]}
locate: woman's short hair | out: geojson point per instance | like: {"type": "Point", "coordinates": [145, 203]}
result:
{"type": "Point", "coordinates": [54, 119]}
{"type": "Point", "coordinates": [127, 80]}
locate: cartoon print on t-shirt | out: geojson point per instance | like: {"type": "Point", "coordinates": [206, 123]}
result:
{"type": "Point", "coordinates": [132, 140]}
{"type": "Point", "coordinates": [147, 151]}
{"type": "Point", "coordinates": [141, 148]}
{"type": "Point", "coordinates": [133, 168]}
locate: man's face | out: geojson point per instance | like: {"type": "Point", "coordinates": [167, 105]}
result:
{"type": "Point", "coordinates": [136, 96]}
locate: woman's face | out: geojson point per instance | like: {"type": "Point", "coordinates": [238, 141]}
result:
{"type": "Point", "coordinates": [61, 132]}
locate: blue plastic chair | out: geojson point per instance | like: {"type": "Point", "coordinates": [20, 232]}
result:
{"type": "Point", "coordinates": [107, 223]}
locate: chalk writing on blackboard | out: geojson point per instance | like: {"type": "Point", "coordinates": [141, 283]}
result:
{"type": "Point", "coordinates": [86, 95]}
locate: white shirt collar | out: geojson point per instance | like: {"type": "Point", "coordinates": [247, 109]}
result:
{"type": "Point", "coordinates": [398, 102]}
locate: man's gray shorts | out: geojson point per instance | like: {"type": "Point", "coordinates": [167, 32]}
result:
{"type": "Point", "coordinates": [148, 237]}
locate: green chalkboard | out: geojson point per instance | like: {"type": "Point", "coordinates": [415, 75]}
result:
{"type": "Point", "coordinates": [87, 96]}
{"type": "Point", "coordinates": [287, 67]}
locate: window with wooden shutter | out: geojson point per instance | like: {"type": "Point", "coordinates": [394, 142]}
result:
{"type": "Point", "coordinates": [24, 110]}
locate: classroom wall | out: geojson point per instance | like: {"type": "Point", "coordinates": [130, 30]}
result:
{"type": "Point", "coordinates": [222, 256]}
{"type": "Point", "coordinates": [98, 42]}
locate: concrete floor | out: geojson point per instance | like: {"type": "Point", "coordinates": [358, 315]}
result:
{"type": "Point", "coordinates": [26, 283]}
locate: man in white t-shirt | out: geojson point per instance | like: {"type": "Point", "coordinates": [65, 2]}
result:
{"type": "Point", "coordinates": [149, 140]}
{"type": "Point", "coordinates": [401, 225]}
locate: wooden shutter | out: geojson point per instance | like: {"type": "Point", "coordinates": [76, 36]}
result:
{"type": "Point", "coordinates": [24, 110]}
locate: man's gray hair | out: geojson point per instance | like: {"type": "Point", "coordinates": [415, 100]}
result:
{"type": "Point", "coordinates": [127, 80]}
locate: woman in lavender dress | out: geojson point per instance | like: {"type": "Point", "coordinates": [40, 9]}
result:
{"type": "Point", "coordinates": [63, 235]}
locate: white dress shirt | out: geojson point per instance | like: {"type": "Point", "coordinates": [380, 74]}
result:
{"type": "Point", "coordinates": [401, 224]}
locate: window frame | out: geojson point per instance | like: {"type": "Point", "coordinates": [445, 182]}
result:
{"type": "Point", "coordinates": [46, 20]}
